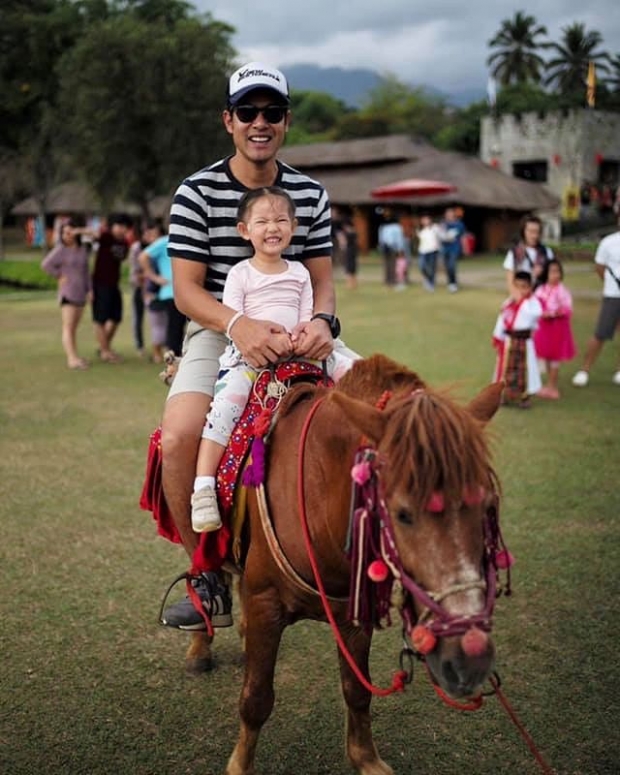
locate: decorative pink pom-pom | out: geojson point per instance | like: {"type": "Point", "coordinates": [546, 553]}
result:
{"type": "Point", "coordinates": [474, 642]}
{"type": "Point", "coordinates": [360, 473]}
{"type": "Point", "coordinates": [377, 571]}
{"type": "Point", "coordinates": [503, 559]}
{"type": "Point", "coordinates": [473, 496]}
{"type": "Point", "coordinates": [435, 503]}
{"type": "Point", "coordinates": [424, 641]}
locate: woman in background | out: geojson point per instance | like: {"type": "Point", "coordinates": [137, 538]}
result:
{"type": "Point", "coordinates": [68, 263]}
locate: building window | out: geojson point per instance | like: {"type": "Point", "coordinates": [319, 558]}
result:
{"type": "Point", "coordinates": [609, 172]}
{"type": "Point", "coordinates": [534, 171]}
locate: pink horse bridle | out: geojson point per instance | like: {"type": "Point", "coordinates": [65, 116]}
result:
{"type": "Point", "coordinates": [443, 624]}
{"type": "Point", "coordinates": [438, 620]}
{"type": "Point", "coordinates": [496, 558]}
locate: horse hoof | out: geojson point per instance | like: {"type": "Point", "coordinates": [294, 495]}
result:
{"type": "Point", "coordinates": [198, 665]}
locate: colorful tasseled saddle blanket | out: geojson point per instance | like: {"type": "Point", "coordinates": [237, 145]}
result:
{"type": "Point", "coordinates": [215, 546]}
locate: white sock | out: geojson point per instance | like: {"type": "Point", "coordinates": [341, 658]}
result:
{"type": "Point", "coordinates": [203, 481]}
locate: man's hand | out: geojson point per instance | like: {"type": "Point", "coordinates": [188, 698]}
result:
{"type": "Point", "coordinates": [313, 339]}
{"type": "Point", "coordinates": [261, 342]}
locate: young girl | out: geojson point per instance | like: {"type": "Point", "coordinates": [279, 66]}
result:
{"type": "Point", "coordinates": [553, 339]}
{"type": "Point", "coordinates": [429, 245]}
{"type": "Point", "coordinates": [512, 338]}
{"type": "Point", "coordinates": [68, 263]}
{"type": "Point", "coordinates": [266, 287]}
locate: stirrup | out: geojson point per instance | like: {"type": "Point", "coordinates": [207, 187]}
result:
{"type": "Point", "coordinates": [185, 575]}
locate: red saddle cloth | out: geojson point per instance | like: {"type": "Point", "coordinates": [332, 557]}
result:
{"type": "Point", "coordinates": [214, 546]}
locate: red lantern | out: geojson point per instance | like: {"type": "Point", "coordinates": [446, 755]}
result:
{"type": "Point", "coordinates": [557, 159]}
{"type": "Point", "coordinates": [598, 158]}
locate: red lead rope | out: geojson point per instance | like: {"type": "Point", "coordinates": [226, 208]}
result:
{"type": "Point", "coordinates": [398, 681]}
{"type": "Point", "coordinates": [522, 730]}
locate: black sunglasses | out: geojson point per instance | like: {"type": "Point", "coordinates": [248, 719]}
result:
{"type": "Point", "coordinates": [272, 114]}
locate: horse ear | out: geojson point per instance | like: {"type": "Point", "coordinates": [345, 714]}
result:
{"type": "Point", "coordinates": [368, 419]}
{"type": "Point", "coordinates": [487, 402]}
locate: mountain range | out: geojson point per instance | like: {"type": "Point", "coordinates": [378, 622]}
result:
{"type": "Point", "coordinates": [354, 86]}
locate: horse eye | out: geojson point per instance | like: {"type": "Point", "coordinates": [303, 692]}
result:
{"type": "Point", "coordinates": [404, 516]}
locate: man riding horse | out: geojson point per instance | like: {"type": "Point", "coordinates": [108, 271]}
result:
{"type": "Point", "coordinates": [204, 244]}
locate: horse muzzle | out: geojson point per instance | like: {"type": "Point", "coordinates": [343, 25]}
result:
{"type": "Point", "coordinates": [461, 671]}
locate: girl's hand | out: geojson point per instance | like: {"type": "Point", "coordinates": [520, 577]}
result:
{"type": "Point", "coordinates": [261, 342]}
{"type": "Point", "coordinates": [313, 339]}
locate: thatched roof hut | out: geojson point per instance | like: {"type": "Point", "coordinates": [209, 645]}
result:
{"type": "Point", "coordinates": [74, 198]}
{"type": "Point", "coordinates": [350, 170]}
{"type": "Point", "coordinates": [494, 202]}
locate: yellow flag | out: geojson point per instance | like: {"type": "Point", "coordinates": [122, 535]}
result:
{"type": "Point", "coordinates": [591, 83]}
{"type": "Point", "coordinates": [570, 203]}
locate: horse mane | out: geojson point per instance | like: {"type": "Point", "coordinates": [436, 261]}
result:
{"type": "Point", "coordinates": [369, 377]}
{"type": "Point", "coordinates": [430, 442]}
{"type": "Point", "coordinates": [435, 445]}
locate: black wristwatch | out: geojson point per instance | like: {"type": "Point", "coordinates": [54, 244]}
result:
{"type": "Point", "coordinates": [331, 320]}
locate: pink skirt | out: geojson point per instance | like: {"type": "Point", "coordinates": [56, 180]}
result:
{"type": "Point", "coordinates": [553, 339]}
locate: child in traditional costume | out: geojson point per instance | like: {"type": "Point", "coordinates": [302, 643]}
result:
{"type": "Point", "coordinates": [553, 339]}
{"type": "Point", "coordinates": [516, 362]}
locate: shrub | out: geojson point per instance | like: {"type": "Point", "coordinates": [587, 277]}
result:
{"type": "Point", "coordinates": [25, 274]}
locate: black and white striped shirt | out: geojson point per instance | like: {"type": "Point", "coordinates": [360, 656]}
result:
{"type": "Point", "coordinates": [203, 220]}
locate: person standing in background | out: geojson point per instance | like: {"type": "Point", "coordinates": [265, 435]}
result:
{"type": "Point", "coordinates": [553, 339]}
{"type": "Point", "coordinates": [607, 262]}
{"type": "Point", "coordinates": [137, 281]}
{"type": "Point", "coordinates": [516, 362]}
{"type": "Point", "coordinates": [157, 268]}
{"type": "Point", "coordinates": [452, 231]}
{"type": "Point", "coordinates": [68, 263]}
{"type": "Point", "coordinates": [391, 239]}
{"type": "Point", "coordinates": [429, 245]}
{"type": "Point", "coordinates": [107, 298]}
{"type": "Point", "coordinates": [529, 254]}
{"type": "Point", "coordinates": [350, 252]}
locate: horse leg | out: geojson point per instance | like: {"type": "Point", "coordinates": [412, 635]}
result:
{"type": "Point", "coordinates": [263, 631]}
{"type": "Point", "coordinates": [198, 657]}
{"type": "Point", "coordinates": [241, 628]}
{"type": "Point", "coordinates": [360, 747]}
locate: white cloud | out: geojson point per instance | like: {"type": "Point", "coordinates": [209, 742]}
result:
{"type": "Point", "coordinates": [443, 44]}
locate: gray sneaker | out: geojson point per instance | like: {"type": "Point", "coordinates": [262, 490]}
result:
{"type": "Point", "coordinates": [216, 600]}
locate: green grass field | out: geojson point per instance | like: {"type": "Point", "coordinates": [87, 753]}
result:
{"type": "Point", "coordinates": [90, 684]}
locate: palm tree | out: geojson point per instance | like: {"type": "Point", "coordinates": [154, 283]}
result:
{"type": "Point", "coordinates": [569, 69]}
{"type": "Point", "coordinates": [516, 60]}
{"type": "Point", "coordinates": [613, 82]}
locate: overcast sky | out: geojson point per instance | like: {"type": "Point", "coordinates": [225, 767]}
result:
{"type": "Point", "coordinates": [439, 43]}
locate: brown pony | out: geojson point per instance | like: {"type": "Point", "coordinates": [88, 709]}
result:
{"type": "Point", "coordinates": [427, 447]}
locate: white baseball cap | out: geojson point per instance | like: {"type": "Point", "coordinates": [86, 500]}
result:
{"type": "Point", "coordinates": [253, 76]}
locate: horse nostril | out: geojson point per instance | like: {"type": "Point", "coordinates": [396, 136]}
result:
{"type": "Point", "coordinates": [449, 673]}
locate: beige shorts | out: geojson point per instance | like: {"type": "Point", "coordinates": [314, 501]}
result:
{"type": "Point", "coordinates": [200, 363]}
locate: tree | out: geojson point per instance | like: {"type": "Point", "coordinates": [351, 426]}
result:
{"type": "Point", "coordinates": [394, 108]}
{"type": "Point", "coordinates": [144, 97]}
{"type": "Point", "coordinates": [613, 82]}
{"type": "Point", "coordinates": [316, 112]}
{"type": "Point", "coordinates": [517, 60]}
{"type": "Point", "coordinates": [569, 69]}
{"type": "Point", "coordinates": [12, 179]}
{"type": "Point", "coordinates": [525, 98]}
{"type": "Point", "coordinates": [463, 132]}
{"type": "Point", "coordinates": [33, 37]}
